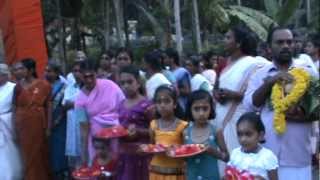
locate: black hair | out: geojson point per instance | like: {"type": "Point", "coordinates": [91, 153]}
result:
{"type": "Point", "coordinates": [131, 69]}
{"type": "Point", "coordinates": [296, 34]}
{"type": "Point", "coordinates": [254, 119]}
{"type": "Point", "coordinates": [195, 60]}
{"type": "Point", "coordinates": [134, 70]}
{"type": "Point", "coordinates": [178, 112]}
{"type": "Point", "coordinates": [125, 50]}
{"type": "Point", "coordinates": [31, 65]}
{"type": "Point", "coordinates": [272, 30]}
{"type": "Point", "coordinates": [172, 53]}
{"type": "Point", "coordinates": [87, 66]}
{"type": "Point", "coordinates": [55, 67]}
{"type": "Point", "coordinates": [246, 38]}
{"type": "Point", "coordinates": [207, 59]}
{"type": "Point", "coordinates": [154, 60]}
{"type": "Point", "coordinates": [314, 39]}
{"type": "Point", "coordinates": [108, 53]}
{"type": "Point", "coordinates": [199, 95]}
{"type": "Point", "coordinates": [76, 64]}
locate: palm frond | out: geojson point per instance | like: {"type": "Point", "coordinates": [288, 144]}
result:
{"type": "Point", "coordinates": [159, 31]}
{"type": "Point", "coordinates": [272, 7]}
{"type": "Point", "coordinates": [251, 23]}
{"type": "Point", "coordinates": [259, 16]}
{"type": "Point", "coordinates": [287, 11]}
{"type": "Point", "coordinates": [221, 19]}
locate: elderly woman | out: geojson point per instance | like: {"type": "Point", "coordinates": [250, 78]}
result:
{"type": "Point", "coordinates": [100, 100]}
{"type": "Point", "coordinates": [10, 162]}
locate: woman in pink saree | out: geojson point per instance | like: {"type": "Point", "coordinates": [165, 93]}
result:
{"type": "Point", "coordinates": [100, 101]}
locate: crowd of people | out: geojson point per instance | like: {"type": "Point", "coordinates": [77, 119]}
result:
{"type": "Point", "coordinates": [48, 125]}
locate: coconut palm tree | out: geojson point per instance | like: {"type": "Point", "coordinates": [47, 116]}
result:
{"type": "Point", "coordinates": [118, 9]}
{"type": "Point", "coordinates": [282, 12]}
{"type": "Point", "coordinates": [196, 26]}
{"type": "Point", "coordinates": [177, 21]}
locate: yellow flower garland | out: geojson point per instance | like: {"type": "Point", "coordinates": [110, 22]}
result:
{"type": "Point", "coordinates": [282, 104]}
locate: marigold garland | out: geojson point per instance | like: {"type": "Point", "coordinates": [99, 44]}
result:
{"type": "Point", "coordinates": [281, 104]}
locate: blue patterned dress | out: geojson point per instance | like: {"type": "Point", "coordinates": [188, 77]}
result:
{"type": "Point", "coordinates": [202, 166]}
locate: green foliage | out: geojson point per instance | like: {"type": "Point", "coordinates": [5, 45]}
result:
{"type": "Point", "coordinates": [252, 23]}
{"type": "Point", "coordinates": [140, 51]}
{"type": "Point", "coordinates": [311, 100]}
{"type": "Point", "coordinates": [49, 9]}
{"type": "Point", "coordinates": [92, 13]}
{"type": "Point", "coordinates": [259, 16]}
{"type": "Point", "coordinates": [315, 15]}
{"type": "Point", "coordinates": [257, 21]}
{"type": "Point", "coordinates": [286, 12]}
{"type": "Point", "coordinates": [272, 7]}
{"type": "Point", "coordinates": [157, 27]}
{"type": "Point", "coordinates": [70, 8]}
{"type": "Point", "coordinates": [213, 14]}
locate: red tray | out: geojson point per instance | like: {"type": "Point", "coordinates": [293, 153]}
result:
{"type": "Point", "coordinates": [187, 150]}
{"type": "Point", "coordinates": [86, 173]}
{"type": "Point", "coordinates": [153, 148]}
{"type": "Point", "coordinates": [112, 132]}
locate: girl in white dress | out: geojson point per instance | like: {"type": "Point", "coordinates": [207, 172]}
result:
{"type": "Point", "coordinates": [10, 162]}
{"type": "Point", "coordinates": [252, 158]}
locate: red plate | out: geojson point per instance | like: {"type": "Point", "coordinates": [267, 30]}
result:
{"type": "Point", "coordinates": [85, 173]}
{"type": "Point", "coordinates": [153, 148]}
{"type": "Point", "coordinates": [187, 150]}
{"type": "Point", "coordinates": [112, 132]}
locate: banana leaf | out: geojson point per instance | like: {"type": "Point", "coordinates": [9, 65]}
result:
{"type": "Point", "coordinates": [311, 100]}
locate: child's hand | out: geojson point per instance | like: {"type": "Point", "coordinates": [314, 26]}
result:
{"type": "Point", "coordinates": [213, 151]}
{"type": "Point", "coordinates": [217, 154]}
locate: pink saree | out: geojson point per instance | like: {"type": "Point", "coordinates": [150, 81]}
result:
{"type": "Point", "coordinates": [101, 106]}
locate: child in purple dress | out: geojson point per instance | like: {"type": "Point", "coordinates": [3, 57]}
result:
{"type": "Point", "coordinates": [135, 113]}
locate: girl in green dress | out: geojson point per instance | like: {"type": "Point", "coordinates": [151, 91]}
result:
{"type": "Point", "coordinates": [201, 131]}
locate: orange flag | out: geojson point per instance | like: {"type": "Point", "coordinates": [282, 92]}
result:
{"type": "Point", "coordinates": [23, 34]}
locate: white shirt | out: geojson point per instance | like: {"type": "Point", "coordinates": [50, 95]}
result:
{"type": "Point", "coordinates": [306, 61]}
{"type": "Point", "coordinates": [198, 82]}
{"type": "Point", "coordinates": [6, 95]}
{"type": "Point", "coordinates": [154, 82]}
{"type": "Point", "coordinates": [255, 163]}
{"type": "Point", "coordinates": [210, 75]}
{"type": "Point", "coordinates": [70, 78]}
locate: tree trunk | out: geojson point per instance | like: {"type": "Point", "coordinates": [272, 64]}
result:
{"type": "Point", "coordinates": [125, 18]}
{"type": "Point", "coordinates": [196, 25]}
{"type": "Point", "coordinates": [119, 21]}
{"type": "Point", "coordinates": [167, 32]}
{"type": "Point", "coordinates": [308, 11]}
{"type": "Point", "coordinates": [76, 34]}
{"type": "Point", "coordinates": [239, 2]}
{"type": "Point", "coordinates": [206, 39]}
{"type": "Point", "coordinates": [178, 26]}
{"type": "Point", "coordinates": [106, 33]}
{"type": "Point", "coordinates": [61, 45]}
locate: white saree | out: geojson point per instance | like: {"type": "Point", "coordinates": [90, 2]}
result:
{"type": "Point", "coordinates": [10, 162]}
{"type": "Point", "coordinates": [234, 77]}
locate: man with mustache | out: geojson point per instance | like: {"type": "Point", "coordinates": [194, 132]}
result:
{"type": "Point", "coordinates": [293, 146]}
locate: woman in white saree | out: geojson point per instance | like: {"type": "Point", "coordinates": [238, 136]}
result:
{"type": "Point", "coordinates": [232, 83]}
{"type": "Point", "coordinates": [10, 162]}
